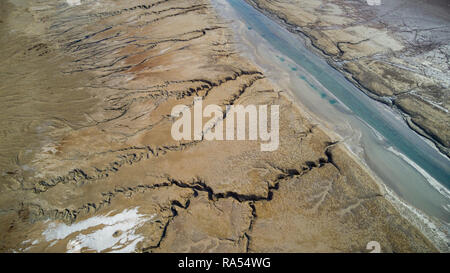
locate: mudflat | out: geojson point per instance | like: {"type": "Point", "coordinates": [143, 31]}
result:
{"type": "Point", "coordinates": [88, 162]}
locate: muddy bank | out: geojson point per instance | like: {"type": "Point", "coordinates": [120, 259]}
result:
{"type": "Point", "coordinates": [396, 53]}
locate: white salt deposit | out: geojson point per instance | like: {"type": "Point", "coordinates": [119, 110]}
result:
{"type": "Point", "coordinates": [96, 233]}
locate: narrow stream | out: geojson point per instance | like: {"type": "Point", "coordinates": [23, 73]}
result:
{"type": "Point", "coordinates": [402, 159]}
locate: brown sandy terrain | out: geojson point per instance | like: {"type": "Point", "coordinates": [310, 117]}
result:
{"type": "Point", "coordinates": [396, 52]}
{"type": "Point", "coordinates": [87, 95]}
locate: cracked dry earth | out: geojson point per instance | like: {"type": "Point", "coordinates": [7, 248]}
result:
{"type": "Point", "coordinates": [88, 163]}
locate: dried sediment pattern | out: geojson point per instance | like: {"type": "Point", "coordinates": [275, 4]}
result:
{"type": "Point", "coordinates": [397, 52]}
{"type": "Point", "coordinates": [105, 174]}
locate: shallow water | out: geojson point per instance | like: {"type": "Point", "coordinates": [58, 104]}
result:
{"type": "Point", "coordinates": [405, 162]}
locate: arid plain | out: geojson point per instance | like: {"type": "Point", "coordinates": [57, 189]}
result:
{"type": "Point", "coordinates": [88, 162]}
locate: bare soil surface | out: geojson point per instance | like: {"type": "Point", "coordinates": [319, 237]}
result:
{"type": "Point", "coordinates": [88, 163]}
